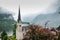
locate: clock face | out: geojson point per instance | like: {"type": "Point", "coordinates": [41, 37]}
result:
{"type": "Point", "coordinates": [19, 25]}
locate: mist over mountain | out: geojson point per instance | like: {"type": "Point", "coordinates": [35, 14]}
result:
{"type": "Point", "coordinates": [53, 18]}
{"type": "Point", "coordinates": [6, 20]}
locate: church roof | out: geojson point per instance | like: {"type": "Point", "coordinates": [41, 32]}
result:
{"type": "Point", "coordinates": [19, 15]}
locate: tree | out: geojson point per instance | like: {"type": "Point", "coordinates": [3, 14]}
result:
{"type": "Point", "coordinates": [12, 38]}
{"type": "Point", "coordinates": [59, 36]}
{"type": "Point", "coordinates": [59, 12]}
{"type": "Point", "coordinates": [14, 29]}
{"type": "Point", "coordinates": [58, 28]}
{"type": "Point", "coordinates": [4, 35]}
{"type": "Point", "coordinates": [33, 32]}
{"type": "Point", "coordinates": [46, 23]}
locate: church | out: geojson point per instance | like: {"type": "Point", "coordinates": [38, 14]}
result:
{"type": "Point", "coordinates": [20, 25]}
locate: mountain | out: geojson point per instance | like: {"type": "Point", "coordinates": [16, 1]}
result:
{"type": "Point", "coordinates": [6, 20]}
{"type": "Point", "coordinates": [53, 19]}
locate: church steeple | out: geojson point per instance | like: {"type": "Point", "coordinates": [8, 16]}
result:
{"type": "Point", "coordinates": [19, 32]}
{"type": "Point", "coordinates": [19, 16]}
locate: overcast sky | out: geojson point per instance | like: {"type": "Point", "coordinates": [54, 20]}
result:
{"type": "Point", "coordinates": [30, 7]}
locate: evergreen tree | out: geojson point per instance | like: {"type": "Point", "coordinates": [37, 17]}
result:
{"type": "Point", "coordinates": [14, 29]}
{"type": "Point", "coordinates": [4, 35]}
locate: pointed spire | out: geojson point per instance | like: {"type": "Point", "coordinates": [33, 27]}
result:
{"type": "Point", "coordinates": [19, 16]}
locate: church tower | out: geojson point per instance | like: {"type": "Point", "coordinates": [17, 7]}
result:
{"type": "Point", "coordinates": [19, 32]}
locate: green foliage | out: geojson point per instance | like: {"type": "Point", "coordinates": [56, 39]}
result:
{"type": "Point", "coordinates": [12, 38]}
{"type": "Point", "coordinates": [14, 29]}
{"type": "Point", "coordinates": [33, 35]}
{"type": "Point", "coordinates": [59, 36]}
{"type": "Point", "coordinates": [59, 12]}
{"type": "Point", "coordinates": [4, 35]}
{"type": "Point", "coordinates": [6, 22]}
